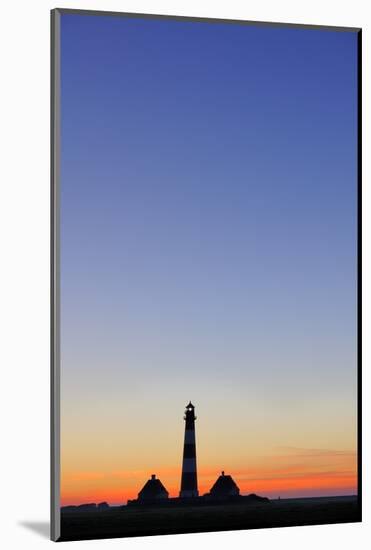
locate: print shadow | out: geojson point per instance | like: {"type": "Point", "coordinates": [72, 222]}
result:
{"type": "Point", "coordinates": [42, 528]}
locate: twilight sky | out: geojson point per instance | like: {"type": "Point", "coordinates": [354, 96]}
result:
{"type": "Point", "coordinates": [208, 252]}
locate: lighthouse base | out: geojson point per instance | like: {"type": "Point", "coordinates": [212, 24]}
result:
{"type": "Point", "coordinates": [188, 494]}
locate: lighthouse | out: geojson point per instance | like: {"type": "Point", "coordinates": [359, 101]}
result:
{"type": "Point", "coordinates": [188, 486]}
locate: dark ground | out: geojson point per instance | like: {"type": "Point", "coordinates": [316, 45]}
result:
{"type": "Point", "coordinates": [136, 521]}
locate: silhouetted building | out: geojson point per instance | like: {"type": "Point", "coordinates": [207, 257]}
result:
{"type": "Point", "coordinates": [103, 506]}
{"type": "Point", "coordinates": [152, 490]}
{"type": "Point", "coordinates": [188, 487]}
{"type": "Point", "coordinates": [224, 487]}
{"type": "Point", "coordinates": [80, 507]}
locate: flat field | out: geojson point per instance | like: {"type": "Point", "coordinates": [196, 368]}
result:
{"type": "Point", "coordinates": [136, 521]}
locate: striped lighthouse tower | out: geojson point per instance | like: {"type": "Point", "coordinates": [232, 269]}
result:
{"type": "Point", "coordinates": [188, 486]}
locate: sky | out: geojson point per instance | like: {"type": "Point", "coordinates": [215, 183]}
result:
{"type": "Point", "coordinates": [208, 253]}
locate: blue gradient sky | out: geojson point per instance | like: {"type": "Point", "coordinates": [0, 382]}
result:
{"type": "Point", "coordinates": [208, 237]}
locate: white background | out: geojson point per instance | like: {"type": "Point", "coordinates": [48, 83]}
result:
{"type": "Point", "coordinates": [24, 268]}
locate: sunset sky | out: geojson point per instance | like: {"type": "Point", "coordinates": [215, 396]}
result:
{"type": "Point", "coordinates": [208, 253]}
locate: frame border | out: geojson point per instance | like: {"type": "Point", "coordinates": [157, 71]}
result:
{"type": "Point", "coordinates": [55, 127]}
{"type": "Point", "coordinates": [359, 270]}
{"type": "Point", "coordinates": [136, 15]}
{"type": "Point", "coordinates": [55, 278]}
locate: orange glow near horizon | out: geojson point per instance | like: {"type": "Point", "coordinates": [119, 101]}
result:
{"type": "Point", "coordinates": [300, 473]}
{"type": "Point", "coordinates": [110, 449]}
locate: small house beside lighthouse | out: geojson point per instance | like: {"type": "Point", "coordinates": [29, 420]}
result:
{"type": "Point", "coordinates": [153, 490]}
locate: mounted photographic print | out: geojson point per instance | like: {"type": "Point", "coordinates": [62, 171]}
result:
{"type": "Point", "coordinates": [205, 275]}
